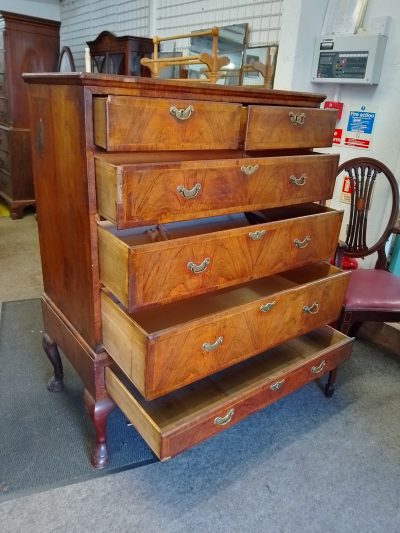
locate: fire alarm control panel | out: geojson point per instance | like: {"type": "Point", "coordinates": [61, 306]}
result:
{"type": "Point", "coordinates": [348, 59]}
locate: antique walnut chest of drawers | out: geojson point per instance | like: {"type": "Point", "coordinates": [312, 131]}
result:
{"type": "Point", "coordinates": [185, 254]}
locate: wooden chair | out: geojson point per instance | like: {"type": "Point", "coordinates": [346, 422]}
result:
{"type": "Point", "coordinates": [372, 294]}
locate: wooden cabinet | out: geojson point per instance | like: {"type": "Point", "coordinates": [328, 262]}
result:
{"type": "Point", "coordinates": [119, 55]}
{"type": "Point", "coordinates": [27, 44]}
{"type": "Point", "coordinates": [185, 275]}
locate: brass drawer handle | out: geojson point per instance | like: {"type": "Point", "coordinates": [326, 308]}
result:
{"type": "Point", "coordinates": [189, 193]}
{"type": "Point", "coordinates": [210, 347]}
{"type": "Point", "coordinates": [257, 235]}
{"type": "Point", "coordinates": [302, 244]}
{"type": "Point", "coordinates": [319, 368]}
{"type": "Point", "coordinates": [181, 114]}
{"type": "Point", "coordinates": [222, 420]}
{"type": "Point", "coordinates": [267, 307]}
{"type": "Point", "coordinates": [277, 385]}
{"type": "Point", "coordinates": [249, 169]}
{"type": "Point", "coordinates": [197, 269]}
{"type": "Point", "coordinates": [311, 309]}
{"type": "Point", "coordinates": [298, 181]}
{"type": "Point", "coordinates": [297, 119]}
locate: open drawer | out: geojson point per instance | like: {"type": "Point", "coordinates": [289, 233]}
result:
{"type": "Point", "coordinates": [152, 188]}
{"type": "Point", "coordinates": [147, 265]}
{"type": "Point", "coordinates": [175, 422]}
{"type": "Point", "coordinates": [167, 347]}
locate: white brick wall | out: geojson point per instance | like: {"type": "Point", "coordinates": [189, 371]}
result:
{"type": "Point", "coordinates": [83, 20]}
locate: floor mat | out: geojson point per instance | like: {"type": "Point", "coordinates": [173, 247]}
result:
{"type": "Point", "coordinates": [46, 438]}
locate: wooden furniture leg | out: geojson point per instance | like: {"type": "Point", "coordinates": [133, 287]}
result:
{"type": "Point", "coordinates": [55, 383]}
{"type": "Point", "coordinates": [98, 411]}
{"type": "Point", "coordinates": [330, 386]}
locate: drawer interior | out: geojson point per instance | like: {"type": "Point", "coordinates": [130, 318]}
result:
{"type": "Point", "coordinates": [162, 317]}
{"type": "Point", "coordinates": [155, 158]}
{"type": "Point", "coordinates": [191, 402]}
{"type": "Point", "coordinates": [175, 230]}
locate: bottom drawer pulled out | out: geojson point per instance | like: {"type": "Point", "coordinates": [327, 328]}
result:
{"type": "Point", "coordinates": [181, 419]}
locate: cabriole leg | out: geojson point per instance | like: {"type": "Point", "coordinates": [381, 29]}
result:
{"type": "Point", "coordinates": [98, 411]}
{"type": "Point", "coordinates": [55, 383]}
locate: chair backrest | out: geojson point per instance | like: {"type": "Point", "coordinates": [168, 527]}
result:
{"type": "Point", "coordinates": [363, 173]}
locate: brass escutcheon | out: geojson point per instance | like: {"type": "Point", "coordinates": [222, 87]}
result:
{"type": "Point", "coordinates": [311, 309]}
{"type": "Point", "coordinates": [188, 194]}
{"type": "Point", "coordinates": [181, 114]}
{"type": "Point", "coordinates": [249, 169]}
{"type": "Point", "coordinates": [197, 269]}
{"type": "Point", "coordinates": [319, 368]}
{"type": "Point", "coordinates": [302, 244]}
{"type": "Point", "coordinates": [210, 347]}
{"type": "Point", "coordinates": [298, 181]}
{"type": "Point", "coordinates": [297, 119]}
{"type": "Point", "coordinates": [222, 420]}
{"type": "Point", "coordinates": [257, 235]}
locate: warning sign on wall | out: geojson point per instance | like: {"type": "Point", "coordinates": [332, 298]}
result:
{"type": "Point", "coordinates": [345, 193]}
{"type": "Point", "coordinates": [359, 129]}
{"type": "Point", "coordinates": [337, 136]}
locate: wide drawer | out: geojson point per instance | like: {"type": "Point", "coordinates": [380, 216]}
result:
{"type": "Point", "coordinates": [135, 190]}
{"type": "Point", "coordinates": [129, 123]}
{"type": "Point", "coordinates": [175, 422]}
{"type": "Point", "coordinates": [270, 127]}
{"type": "Point", "coordinates": [189, 258]}
{"type": "Point", "coordinates": [167, 347]}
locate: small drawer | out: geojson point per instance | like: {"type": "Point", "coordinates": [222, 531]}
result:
{"type": "Point", "coordinates": [176, 422]}
{"type": "Point", "coordinates": [129, 123]}
{"type": "Point", "coordinates": [289, 127]}
{"type": "Point", "coordinates": [156, 265]}
{"type": "Point", "coordinates": [133, 189]}
{"type": "Point", "coordinates": [164, 348]}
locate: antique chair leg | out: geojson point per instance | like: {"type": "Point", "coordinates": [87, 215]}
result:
{"type": "Point", "coordinates": [330, 386]}
{"type": "Point", "coordinates": [353, 330]}
{"type": "Point", "coordinates": [98, 411]}
{"type": "Point", "coordinates": [55, 383]}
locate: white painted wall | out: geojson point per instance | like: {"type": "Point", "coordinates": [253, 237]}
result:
{"type": "Point", "coordinates": [47, 9]}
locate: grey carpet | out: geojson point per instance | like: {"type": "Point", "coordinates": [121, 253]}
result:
{"type": "Point", "coordinates": [45, 438]}
{"type": "Point", "coordinates": [305, 464]}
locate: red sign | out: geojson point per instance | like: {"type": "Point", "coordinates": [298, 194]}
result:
{"type": "Point", "coordinates": [330, 104]}
{"type": "Point", "coordinates": [337, 136]}
{"type": "Point", "coordinates": [357, 143]}
{"type": "Point", "coordinates": [346, 187]}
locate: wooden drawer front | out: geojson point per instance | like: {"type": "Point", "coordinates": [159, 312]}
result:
{"type": "Point", "coordinates": [180, 354]}
{"type": "Point", "coordinates": [128, 123]}
{"type": "Point", "coordinates": [4, 161]}
{"type": "Point", "coordinates": [186, 417]}
{"type": "Point", "coordinates": [289, 127]}
{"type": "Point", "coordinates": [131, 195]}
{"type": "Point", "coordinates": [4, 110]}
{"type": "Point", "coordinates": [4, 139]}
{"type": "Point", "coordinates": [165, 271]}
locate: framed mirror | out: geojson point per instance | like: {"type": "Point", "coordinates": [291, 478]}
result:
{"type": "Point", "coordinates": [259, 65]}
{"type": "Point", "coordinates": [232, 41]}
{"type": "Point", "coordinates": [66, 61]}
